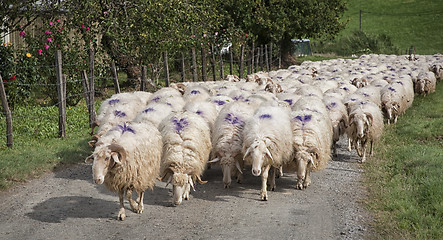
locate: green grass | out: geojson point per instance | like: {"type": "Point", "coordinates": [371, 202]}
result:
{"type": "Point", "coordinates": [408, 23]}
{"type": "Point", "coordinates": [37, 148]}
{"type": "Point", "coordinates": [405, 177]}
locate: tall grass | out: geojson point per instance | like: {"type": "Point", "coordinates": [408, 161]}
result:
{"type": "Point", "coordinates": [405, 177]}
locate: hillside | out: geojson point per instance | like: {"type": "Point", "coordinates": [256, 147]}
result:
{"type": "Point", "coordinates": [409, 23]}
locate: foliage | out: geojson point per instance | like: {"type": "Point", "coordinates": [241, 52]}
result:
{"type": "Point", "coordinates": [357, 43]}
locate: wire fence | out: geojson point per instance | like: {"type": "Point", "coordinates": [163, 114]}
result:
{"type": "Point", "coordinates": [52, 104]}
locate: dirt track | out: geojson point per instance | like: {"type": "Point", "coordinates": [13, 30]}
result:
{"type": "Point", "coordinates": [67, 205]}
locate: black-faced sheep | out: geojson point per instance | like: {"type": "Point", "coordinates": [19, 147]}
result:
{"type": "Point", "coordinates": [131, 163]}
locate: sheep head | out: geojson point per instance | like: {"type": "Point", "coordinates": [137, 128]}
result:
{"type": "Point", "coordinates": [305, 160]}
{"type": "Point", "coordinates": [181, 185]}
{"type": "Point", "coordinates": [362, 122]}
{"type": "Point", "coordinates": [258, 152]}
{"type": "Point", "coordinates": [105, 159]}
{"type": "Point", "coordinates": [229, 165]}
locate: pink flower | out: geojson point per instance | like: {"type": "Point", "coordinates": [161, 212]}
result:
{"type": "Point", "coordinates": [12, 78]}
{"type": "Point", "coordinates": [204, 35]}
{"type": "Point", "coordinates": [49, 40]}
{"type": "Point", "coordinates": [87, 28]}
{"type": "Point", "coordinates": [22, 34]}
{"type": "Point", "coordinates": [47, 32]}
{"type": "Point", "coordinates": [50, 23]}
{"type": "Point", "coordinates": [40, 51]}
{"type": "Point", "coordinates": [46, 47]}
{"type": "Point", "coordinates": [216, 33]}
{"type": "Point", "coordinates": [58, 20]}
{"type": "Point", "coordinates": [83, 26]}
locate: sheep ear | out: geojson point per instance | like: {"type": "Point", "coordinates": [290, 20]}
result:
{"type": "Point", "coordinates": [118, 153]}
{"type": "Point", "coordinates": [370, 119]}
{"type": "Point", "coordinates": [214, 160]}
{"type": "Point", "coordinates": [89, 159]}
{"type": "Point", "coordinates": [191, 182]}
{"type": "Point", "coordinates": [114, 157]}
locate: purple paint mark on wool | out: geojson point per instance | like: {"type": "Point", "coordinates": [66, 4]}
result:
{"type": "Point", "coordinates": [365, 94]}
{"type": "Point", "coordinates": [125, 128]}
{"type": "Point", "coordinates": [169, 104]}
{"type": "Point", "coordinates": [334, 70]}
{"type": "Point", "coordinates": [303, 119]}
{"type": "Point", "coordinates": [378, 85]}
{"type": "Point", "coordinates": [199, 112]}
{"type": "Point", "coordinates": [218, 94]}
{"type": "Point", "coordinates": [399, 82]}
{"type": "Point", "coordinates": [118, 113]}
{"type": "Point", "coordinates": [363, 103]}
{"type": "Point", "coordinates": [180, 124]}
{"type": "Point", "coordinates": [265, 116]}
{"type": "Point", "coordinates": [113, 101]}
{"type": "Point", "coordinates": [288, 101]}
{"type": "Point", "coordinates": [246, 100]}
{"type": "Point", "coordinates": [331, 105]}
{"type": "Point", "coordinates": [236, 98]}
{"type": "Point", "coordinates": [155, 99]}
{"type": "Point", "coordinates": [392, 89]}
{"type": "Point", "coordinates": [219, 102]}
{"type": "Point", "coordinates": [353, 99]}
{"type": "Point", "coordinates": [148, 110]}
{"type": "Point", "coordinates": [233, 120]}
{"type": "Point", "coordinates": [279, 77]}
{"type": "Point", "coordinates": [194, 92]}
{"type": "Point", "coordinates": [346, 89]}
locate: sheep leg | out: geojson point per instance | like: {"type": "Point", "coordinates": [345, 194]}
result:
{"type": "Point", "coordinates": [307, 181]}
{"type": "Point", "coordinates": [358, 147]}
{"type": "Point", "coordinates": [272, 179]}
{"type": "Point", "coordinates": [372, 148]}
{"type": "Point", "coordinates": [264, 179]}
{"type": "Point", "coordinates": [140, 197]}
{"type": "Point", "coordinates": [132, 203]}
{"type": "Point", "coordinates": [349, 145]}
{"type": "Point", "coordinates": [363, 150]}
{"type": "Point", "coordinates": [121, 212]}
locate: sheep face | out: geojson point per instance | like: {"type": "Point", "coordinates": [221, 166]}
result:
{"type": "Point", "coordinates": [362, 123]}
{"type": "Point", "coordinates": [103, 160]}
{"type": "Point", "coordinates": [229, 167]}
{"type": "Point", "coordinates": [304, 161]}
{"type": "Point", "coordinates": [258, 153]}
{"type": "Point", "coordinates": [391, 109]}
{"type": "Point", "coordinates": [181, 187]}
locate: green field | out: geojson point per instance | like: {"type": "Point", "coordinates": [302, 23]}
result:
{"type": "Point", "coordinates": [409, 23]}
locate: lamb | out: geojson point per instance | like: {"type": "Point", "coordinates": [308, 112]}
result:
{"type": "Point", "coordinates": [365, 125]}
{"type": "Point", "coordinates": [131, 163]}
{"type": "Point", "coordinates": [339, 119]}
{"type": "Point", "coordinates": [425, 83]}
{"type": "Point", "coordinates": [267, 143]}
{"type": "Point", "coordinates": [186, 149]}
{"type": "Point", "coordinates": [312, 140]}
{"type": "Point", "coordinates": [227, 139]}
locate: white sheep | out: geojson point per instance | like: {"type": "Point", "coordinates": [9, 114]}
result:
{"type": "Point", "coordinates": [425, 83]}
{"type": "Point", "coordinates": [312, 140]}
{"type": "Point", "coordinates": [339, 119]}
{"type": "Point", "coordinates": [267, 143]}
{"type": "Point", "coordinates": [131, 163]}
{"type": "Point", "coordinates": [186, 149]}
{"type": "Point", "coordinates": [154, 112]}
{"type": "Point", "coordinates": [204, 109]}
{"type": "Point", "coordinates": [365, 126]}
{"type": "Point", "coordinates": [393, 99]}
{"type": "Point", "coordinates": [227, 139]}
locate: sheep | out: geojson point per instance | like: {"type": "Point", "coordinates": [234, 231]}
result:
{"type": "Point", "coordinates": [220, 101]}
{"type": "Point", "coordinates": [196, 93]}
{"type": "Point", "coordinates": [181, 87]}
{"type": "Point", "coordinates": [131, 163]}
{"type": "Point", "coordinates": [339, 119]}
{"type": "Point", "coordinates": [267, 143]}
{"type": "Point", "coordinates": [365, 125]}
{"type": "Point", "coordinates": [169, 96]}
{"type": "Point", "coordinates": [154, 112]}
{"type": "Point", "coordinates": [312, 141]}
{"type": "Point", "coordinates": [312, 103]}
{"type": "Point", "coordinates": [227, 139]}
{"type": "Point", "coordinates": [425, 83]}
{"type": "Point", "coordinates": [204, 109]}
{"type": "Point", "coordinates": [186, 149]}
{"type": "Point", "coordinates": [437, 69]}
{"type": "Point", "coordinates": [370, 93]}
{"type": "Point", "coordinates": [392, 98]}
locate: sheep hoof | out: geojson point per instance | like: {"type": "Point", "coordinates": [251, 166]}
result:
{"type": "Point", "coordinates": [264, 196]}
{"type": "Point", "coordinates": [121, 215]}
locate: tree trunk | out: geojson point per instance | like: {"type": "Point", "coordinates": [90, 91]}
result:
{"type": "Point", "coordinates": [286, 49]}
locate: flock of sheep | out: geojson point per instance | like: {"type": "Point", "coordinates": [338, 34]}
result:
{"type": "Point", "coordinates": [286, 120]}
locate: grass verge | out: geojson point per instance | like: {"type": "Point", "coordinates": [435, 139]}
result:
{"type": "Point", "coordinates": [405, 178]}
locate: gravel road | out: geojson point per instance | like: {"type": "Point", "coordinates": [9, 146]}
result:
{"type": "Point", "coordinates": [67, 205]}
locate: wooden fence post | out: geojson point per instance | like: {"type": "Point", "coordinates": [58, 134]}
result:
{"type": "Point", "coordinates": [203, 55]}
{"type": "Point", "coordinates": [115, 78]}
{"type": "Point", "coordinates": [8, 115]}
{"type": "Point", "coordinates": [270, 55]}
{"type": "Point", "coordinates": [266, 58]}
{"type": "Point", "coordinates": [213, 63]}
{"type": "Point", "coordinates": [222, 74]}
{"type": "Point", "coordinates": [183, 70]}
{"type": "Point", "coordinates": [231, 60]}
{"type": "Point", "coordinates": [144, 81]}
{"type": "Point", "coordinates": [262, 57]}
{"type": "Point", "coordinates": [85, 84]}
{"type": "Point", "coordinates": [165, 59]}
{"type": "Point", "coordinates": [61, 90]}
{"type": "Point", "coordinates": [252, 57]}
{"type": "Point", "coordinates": [194, 66]}
{"type": "Point", "coordinates": [257, 61]}
{"type": "Point", "coordinates": [241, 67]}
{"type": "Point", "coordinates": [91, 88]}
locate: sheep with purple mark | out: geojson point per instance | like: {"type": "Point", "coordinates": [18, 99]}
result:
{"type": "Point", "coordinates": [339, 119]}
{"type": "Point", "coordinates": [186, 149]}
{"type": "Point", "coordinates": [267, 142]}
{"type": "Point", "coordinates": [130, 163]}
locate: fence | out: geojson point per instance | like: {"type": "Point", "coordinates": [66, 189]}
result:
{"type": "Point", "coordinates": [192, 67]}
